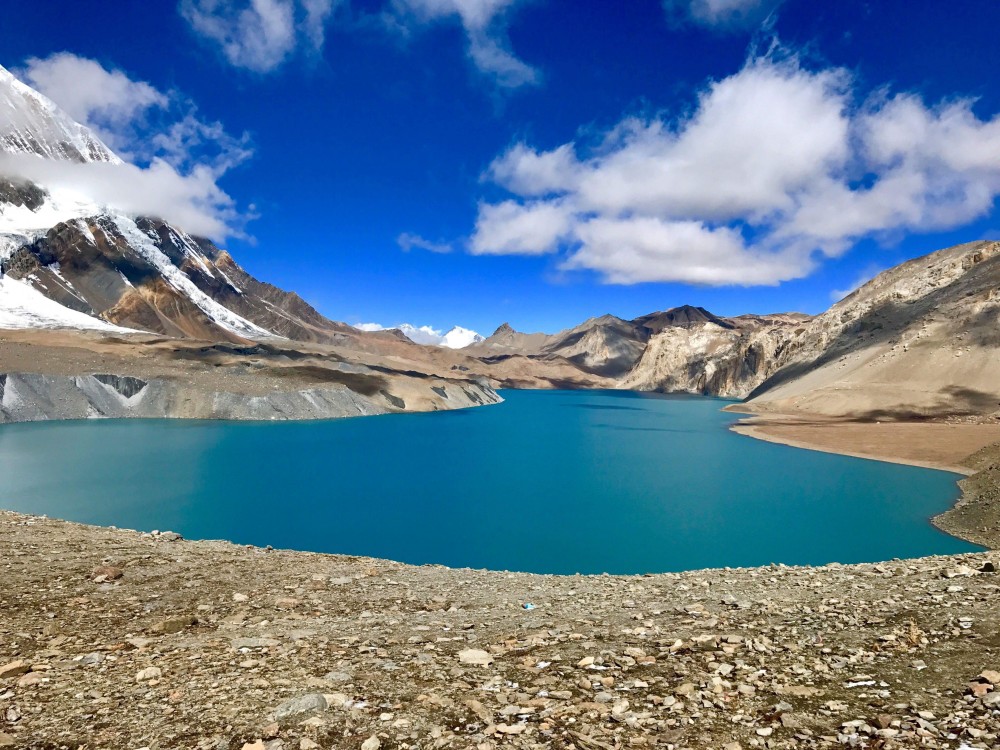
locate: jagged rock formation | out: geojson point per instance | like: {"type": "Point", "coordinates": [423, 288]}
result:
{"type": "Point", "coordinates": [715, 356]}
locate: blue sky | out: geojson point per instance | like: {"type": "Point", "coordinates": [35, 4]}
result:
{"type": "Point", "coordinates": [573, 158]}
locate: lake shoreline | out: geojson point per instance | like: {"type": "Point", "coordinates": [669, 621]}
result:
{"type": "Point", "coordinates": [590, 459]}
{"type": "Point", "coordinates": [975, 515]}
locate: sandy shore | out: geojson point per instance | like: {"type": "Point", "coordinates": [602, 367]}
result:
{"type": "Point", "coordinates": [933, 445]}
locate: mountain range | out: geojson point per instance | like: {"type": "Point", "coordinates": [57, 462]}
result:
{"type": "Point", "coordinates": [109, 312]}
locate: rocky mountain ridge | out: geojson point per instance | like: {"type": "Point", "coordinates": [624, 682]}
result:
{"type": "Point", "coordinates": [920, 340]}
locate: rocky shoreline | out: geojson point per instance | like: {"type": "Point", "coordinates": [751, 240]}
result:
{"type": "Point", "coordinates": [119, 639]}
{"type": "Point", "coordinates": [976, 515]}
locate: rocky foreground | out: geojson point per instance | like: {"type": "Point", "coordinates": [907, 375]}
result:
{"type": "Point", "coordinates": [117, 639]}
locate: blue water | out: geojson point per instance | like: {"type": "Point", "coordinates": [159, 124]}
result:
{"type": "Point", "coordinates": [553, 482]}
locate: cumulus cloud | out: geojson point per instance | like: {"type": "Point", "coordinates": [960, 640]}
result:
{"type": "Point", "coordinates": [107, 101]}
{"type": "Point", "coordinates": [176, 157]}
{"type": "Point", "coordinates": [408, 241]}
{"type": "Point", "coordinates": [776, 167]}
{"type": "Point", "coordinates": [485, 25]}
{"type": "Point", "coordinates": [192, 200]}
{"type": "Point", "coordinates": [725, 15]}
{"type": "Point", "coordinates": [259, 35]}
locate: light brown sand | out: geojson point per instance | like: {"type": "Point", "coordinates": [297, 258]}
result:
{"type": "Point", "coordinates": [935, 445]}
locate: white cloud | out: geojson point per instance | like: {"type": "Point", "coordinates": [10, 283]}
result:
{"type": "Point", "coordinates": [192, 200]}
{"type": "Point", "coordinates": [408, 241]}
{"type": "Point", "coordinates": [776, 166]}
{"type": "Point", "coordinates": [106, 101]}
{"type": "Point", "coordinates": [512, 228]}
{"type": "Point", "coordinates": [259, 35]}
{"type": "Point", "coordinates": [177, 157]}
{"type": "Point", "coordinates": [720, 14]}
{"type": "Point", "coordinates": [455, 338]}
{"type": "Point", "coordinates": [485, 26]}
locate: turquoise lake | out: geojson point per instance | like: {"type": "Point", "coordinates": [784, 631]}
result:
{"type": "Point", "coordinates": [548, 482]}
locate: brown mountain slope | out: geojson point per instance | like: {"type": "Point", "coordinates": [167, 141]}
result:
{"type": "Point", "coordinates": [919, 340]}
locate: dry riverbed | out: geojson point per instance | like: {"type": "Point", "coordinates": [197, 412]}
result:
{"type": "Point", "coordinates": [116, 639]}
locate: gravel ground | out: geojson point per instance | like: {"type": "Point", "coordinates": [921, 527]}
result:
{"type": "Point", "coordinates": [117, 639]}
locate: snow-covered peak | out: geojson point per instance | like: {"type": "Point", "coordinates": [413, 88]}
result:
{"type": "Point", "coordinates": [459, 338]}
{"type": "Point", "coordinates": [31, 123]}
{"type": "Point", "coordinates": [456, 338]}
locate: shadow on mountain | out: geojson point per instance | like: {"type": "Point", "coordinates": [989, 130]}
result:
{"type": "Point", "coordinates": [885, 324]}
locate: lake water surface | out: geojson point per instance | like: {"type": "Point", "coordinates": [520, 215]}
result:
{"type": "Point", "coordinates": [549, 482]}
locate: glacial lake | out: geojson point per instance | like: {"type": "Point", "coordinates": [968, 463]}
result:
{"type": "Point", "coordinates": [548, 482]}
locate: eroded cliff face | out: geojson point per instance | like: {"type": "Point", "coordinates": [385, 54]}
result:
{"type": "Point", "coordinates": [30, 397]}
{"type": "Point", "coordinates": [729, 358]}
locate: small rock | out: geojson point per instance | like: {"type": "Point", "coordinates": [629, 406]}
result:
{"type": "Point", "coordinates": [240, 643]}
{"type": "Point", "coordinates": [991, 676]}
{"type": "Point", "coordinates": [372, 743]}
{"type": "Point", "coordinates": [507, 729]}
{"type": "Point", "coordinates": [959, 571]}
{"type": "Point", "coordinates": [15, 669]}
{"type": "Point", "coordinates": [174, 624]}
{"type": "Point", "coordinates": [7, 740]}
{"type": "Point", "coordinates": [240, 597]}
{"type": "Point", "coordinates": [91, 659]}
{"type": "Point", "coordinates": [304, 704]}
{"type": "Point", "coordinates": [29, 680]}
{"type": "Point", "coordinates": [271, 731]}
{"type": "Point", "coordinates": [149, 673]}
{"type": "Point", "coordinates": [475, 656]}
{"type": "Point", "coordinates": [104, 573]}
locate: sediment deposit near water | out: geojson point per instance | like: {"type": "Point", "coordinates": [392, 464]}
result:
{"type": "Point", "coordinates": [117, 639]}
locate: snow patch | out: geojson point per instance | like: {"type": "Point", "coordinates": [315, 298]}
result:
{"type": "Point", "coordinates": [24, 307]}
{"type": "Point", "coordinates": [221, 315]}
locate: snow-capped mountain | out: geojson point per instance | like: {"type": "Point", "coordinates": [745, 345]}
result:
{"type": "Point", "coordinates": [109, 267]}
{"type": "Point", "coordinates": [456, 338]}
{"type": "Point", "coordinates": [459, 338]}
{"type": "Point", "coordinates": [32, 124]}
